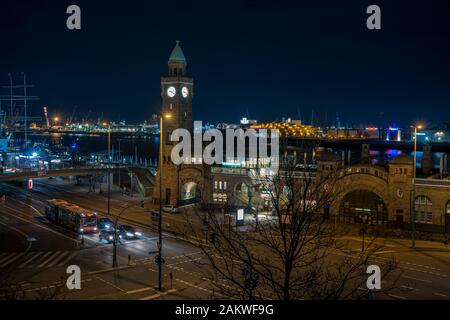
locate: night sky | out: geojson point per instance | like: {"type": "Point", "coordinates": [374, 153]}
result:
{"type": "Point", "coordinates": [260, 59]}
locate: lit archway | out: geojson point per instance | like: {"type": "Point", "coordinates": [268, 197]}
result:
{"type": "Point", "coordinates": [190, 192]}
{"type": "Point", "coordinates": [363, 204]}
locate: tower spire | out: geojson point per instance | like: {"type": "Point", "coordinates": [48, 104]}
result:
{"type": "Point", "coordinates": [177, 61]}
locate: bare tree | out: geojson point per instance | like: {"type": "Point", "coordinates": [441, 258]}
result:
{"type": "Point", "coordinates": [294, 253]}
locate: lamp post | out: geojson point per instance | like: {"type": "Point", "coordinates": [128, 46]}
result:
{"type": "Point", "coordinates": [116, 235]}
{"type": "Point", "coordinates": [109, 169]}
{"type": "Point", "coordinates": [119, 163]}
{"type": "Point", "coordinates": [161, 139]}
{"type": "Point", "coordinates": [413, 200]}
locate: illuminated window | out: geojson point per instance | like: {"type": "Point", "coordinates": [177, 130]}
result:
{"type": "Point", "coordinates": [220, 185]}
{"type": "Point", "coordinates": [215, 184]}
{"type": "Point", "coordinates": [448, 207]}
{"type": "Point", "coordinates": [224, 185]}
{"type": "Point", "coordinates": [423, 209]}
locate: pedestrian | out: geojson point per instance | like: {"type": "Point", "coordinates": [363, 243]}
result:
{"type": "Point", "coordinates": [82, 242]}
{"type": "Point", "coordinates": [129, 259]}
{"type": "Point", "coordinates": [446, 241]}
{"type": "Point", "coordinates": [171, 280]}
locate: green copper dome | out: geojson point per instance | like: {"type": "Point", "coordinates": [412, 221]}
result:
{"type": "Point", "coordinates": [177, 54]}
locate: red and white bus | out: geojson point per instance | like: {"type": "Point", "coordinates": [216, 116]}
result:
{"type": "Point", "coordinates": [71, 216]}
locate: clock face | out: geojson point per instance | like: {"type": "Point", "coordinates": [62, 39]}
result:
{"type": "Point", "coordinates": [171, 92]}
{"type": "Point", "coordinates": [185, 92]}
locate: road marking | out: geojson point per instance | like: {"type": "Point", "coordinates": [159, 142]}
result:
{"type": "Point", "coordinates": [195, 286]}
{"type": "Point", "coordinates": [38, 225]}
{"type": "Point", "coordinates": [396, 297]}
{"type": "Point", "coordinates": [8, 257]}
{"type": "Point", "coordinates": [140, 290]}
{"type": "Point", "coordinates": [49, 259]}
{"type": "Point", "coordinates": [382, 252]}
{"type": "Point", "coordinates": [59, 258]}
{"type": "Point", "coordinates": [3, 254]}
{"type": "Point", "coordinates": [439, 294]}
{"type": "Point", "coordinates": [109, 283]}
{"type": "Point", "coordinates": [67, 260]}
{"type": "Point", "coordinates": [158, 295]}
{"type": "Point", "coordinates": [417, 279]}
{"type": "Point", "coordinates": [409, 288]}
{"type": "Point", "coordinates": [18, 231]}
{"type": "Point", "coordinates": [12, 260]}
{"type": "Point", "coordinates": [35, 255]}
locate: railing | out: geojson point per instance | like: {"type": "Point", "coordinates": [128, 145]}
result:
{"type": "Point", "coordinates": [373, 171]}
{"type": "Point", "coordinates": [432, 183]}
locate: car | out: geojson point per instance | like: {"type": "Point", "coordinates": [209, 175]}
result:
{"type": "Point", "coordinates": [107, 236]}
{"type": "Point", "coordinates": [128, 232]}
{"type": "Point", "coordinates": [171, 209]}
{"type": "Point", "coordinates": [105, 224]}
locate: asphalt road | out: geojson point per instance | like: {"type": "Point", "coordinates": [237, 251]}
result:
{"type": "Point", "coordinates": [35, 254]}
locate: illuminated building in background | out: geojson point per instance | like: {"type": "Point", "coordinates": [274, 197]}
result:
{"type": "Point", "coordinates": [430, 135]}
{"type": "Point", "coordinates": [289, 129]}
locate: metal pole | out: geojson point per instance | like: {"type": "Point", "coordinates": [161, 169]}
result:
{"type": "Point", "coordinates": [109, 171]}
{"type": "Point", "coordinates": [25, 106]}
{"type": "Point", "coordinates": [160, 204]}
{"type": "Point", "coordinates": [119, 162]}
{"type": "Point", "coordinates": [11, 96]}
{"type": "Point", "coordinates": [413, 206]}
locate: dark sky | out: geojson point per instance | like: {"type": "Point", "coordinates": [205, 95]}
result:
{"type": "Point", "coordinates": [263, 59]}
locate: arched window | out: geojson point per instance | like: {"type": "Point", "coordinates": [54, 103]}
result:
{"type": "Point", "coordinates": [447, 209]}
{"type": "Point", "coordinates": [424, 209]}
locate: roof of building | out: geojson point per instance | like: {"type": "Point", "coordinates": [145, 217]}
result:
{"type": "Point", "coordinates": [402, 159]}
{"type": "Point", "coordinates": [177, 54]}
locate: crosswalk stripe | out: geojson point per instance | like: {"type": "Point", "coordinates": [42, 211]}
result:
{"type": "Point", "coordinates": [40, 259]}
{"type": "Point", "coordinates": [68, 259]}
{"type": "Point", "coordinates": [65, 253]}
{"type": "Point", "coordinates": [8, 257]}
{"type": "Point", "coordinates": [37, 254]}
{"type": "Point", "coordinates": [3, 254]}
{"type": "Point", "coordinates": [7, 262]}
{"type": "Point", "coordinates": [49, 259]}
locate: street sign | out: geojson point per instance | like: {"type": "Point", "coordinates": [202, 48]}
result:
{"type": "Point", "coordinates": [30, 183]}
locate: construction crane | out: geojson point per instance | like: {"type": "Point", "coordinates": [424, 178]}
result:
{"type": "Point", "coordinates": [47, 121]}
{"type": "Point", "coordinates": [71, 117]}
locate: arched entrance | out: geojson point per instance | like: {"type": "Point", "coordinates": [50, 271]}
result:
{"type": "Point", "coordinates": [190, 193]}
{"type": "Point", "coordinates": [242, 193]}
{"type": "Point", "coordinates": [363, 204]}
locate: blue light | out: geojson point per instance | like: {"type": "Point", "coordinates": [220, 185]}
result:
{"type": "Point", "coordinates": [231, 164]}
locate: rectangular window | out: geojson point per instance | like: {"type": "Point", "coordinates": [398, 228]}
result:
{"type": "Point", "coordinates": [224, 185]}
{"type": "Point", "coordinates": [220, 185]}
{"type": "Point", "coordinates": [215, 185]}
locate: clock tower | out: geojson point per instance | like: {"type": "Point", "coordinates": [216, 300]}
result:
{"type": "Point", "coordinates": [176, 93]}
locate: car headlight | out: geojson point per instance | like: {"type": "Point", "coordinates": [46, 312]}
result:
{"type": "Point", "coordinates": [107, 226]}
{"type": "Point", "coordinates": [95, 228]}
{"type": "Point", "coordinates": [81, 229]}
{"type": "Point", "coordinates": [110, 237]}
{"type": "Point", "coordinates": [138, 233]}
{"type": "Point", "coordinates": [129, 234]}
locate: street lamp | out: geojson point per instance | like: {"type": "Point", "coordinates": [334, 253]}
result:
{"type": "Point", "coordinates": [161, 139]}
{"type": "Point", "coordinates": [109, 169]}
{"type": "Point", "coordinates": [115, 234]}
{"type": "Point", "coordinates": [413, 200]}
